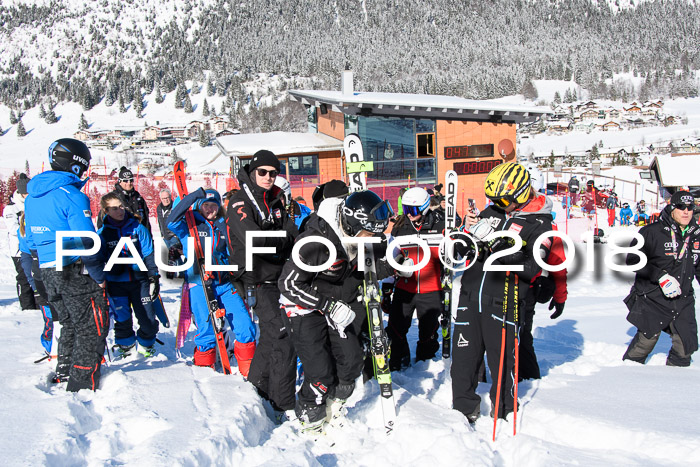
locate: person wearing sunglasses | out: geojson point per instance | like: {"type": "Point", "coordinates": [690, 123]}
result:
{"type": "Point", "coordinates": [259, 207]}
{"type": "Point", "coordinates": [131, 199]}
{"type": "Point", "coordinates": [128, 287]}
{"type": "Point", "coordinates": [420, 291]}
{"type": "Point", "coordinates": [662, 297]}
{"type": "Point", "coordinates": [481, 311]}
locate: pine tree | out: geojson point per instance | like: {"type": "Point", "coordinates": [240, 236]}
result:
{"type": "Point", "coordinates": [210, 87]}
{"type": "Point", "coordinates": [178, 98]}
{"type": "Point", "coordinates": [13, 117]}
{"type": "Point", "coordinates": [159, 95]}
{"type": "Point", "coordinates": [83, 124]}
{"type": "Point", "coordinates": [205, 108]}
{"type": "Point", "coordinates": [528, 90]}
{"type": "Point", "coordinates": [188, 104]}
{"type": "Point", "coordinates": [138, 102]}
{"type": "Point", "coordinates": [50, 117]}
{"type": "Point", "coordinates": [1, 131]}
{"type": "Point", "coordinates": [42, 111]}
{"type": "Point", "coordinates": [557, 98]}
{"type": "Point", "coordinates": [203, 138]}
{"type": "Point", "coordinates": [195, 88]}
{"type": "Point", "coordinates": [223, 109]}
{"type": "Point", "coordinates": [20, 129]}
{"type": "Point", "coordinates": [122, 107]}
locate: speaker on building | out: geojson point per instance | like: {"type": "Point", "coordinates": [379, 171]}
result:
{"type": "Point", "coordinates": [323, 108]}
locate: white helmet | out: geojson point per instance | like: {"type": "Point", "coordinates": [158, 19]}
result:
{"type": "Point", "coordinates": [286, 188]}
{"type": "Point", "coordinates": [415, 201]}
{"type": "Point", "coordinates": [536, 178]}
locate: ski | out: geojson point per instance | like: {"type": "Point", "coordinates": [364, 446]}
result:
{"type": "Point", "coordinates": [160, 312]}
{"type": "Point", "coordinates": [379, 343]}
{"type": "Point", "coordinates": [216, 313]}
{"type": "Point", "coordinates": [450, 226]}
{"type": "Point", "coordinates": [352, 146]}
{"type": "Point", "coordinates": [183, 323]}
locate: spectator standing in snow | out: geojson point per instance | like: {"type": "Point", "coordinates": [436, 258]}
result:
{"type": "Point", "coordinates": [662, 297]}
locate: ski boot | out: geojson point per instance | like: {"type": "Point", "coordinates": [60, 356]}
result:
{"type": "Point", "coordinates": [122, 351]}
{"type": "Point", "coordinates": [147, 351]}
{"type": "Point", "coordinates": [336, 412]}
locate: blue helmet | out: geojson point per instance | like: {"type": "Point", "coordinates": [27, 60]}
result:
{"type": "Point", "coordinates": [212, 196]}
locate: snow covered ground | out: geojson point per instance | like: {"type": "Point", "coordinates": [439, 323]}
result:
{"type": "Point", "coordinates": [590, 408]}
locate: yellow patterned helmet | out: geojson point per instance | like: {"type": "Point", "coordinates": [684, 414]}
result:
{"type": "Point", "coordinates": [508, 183]}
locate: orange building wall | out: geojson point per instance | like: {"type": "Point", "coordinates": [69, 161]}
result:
{"type": "Point", "coordinates": [458, 133]}
{"type": "Point", "coordinates": [331, 124]}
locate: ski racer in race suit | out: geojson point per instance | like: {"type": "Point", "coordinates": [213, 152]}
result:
{"type": "Point", "coordinates": [76, 294]}
{"type": "Point", "coordinates": [662, 296]}
{"type": "Point", "coordinates": [481, 314]}
{"type": "Point", "coordinates": [258, 207]}
{"type": "Point", "coordinates": [420, 291]}
{"type": "Point", "coordinates": [324, 310]}
{"type": "Point", "coordinates": [209, 219]}
{"type": "Point", "coordinates": [128, 286]}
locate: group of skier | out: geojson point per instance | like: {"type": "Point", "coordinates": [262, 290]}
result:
{"type": "Point", "coordinates": [313, 308]}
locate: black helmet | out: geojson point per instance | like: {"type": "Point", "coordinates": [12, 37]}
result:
{"type": "Point", "coordinates": [69, 155]}
{"type": "Point", "coordinates": [364, 210]}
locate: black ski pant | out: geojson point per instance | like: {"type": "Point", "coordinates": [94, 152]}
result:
{"type": "Point", "coordinates": [274, 365]}
{"type": "Point", "coordinates": [25, 293]}
{"type": "Point", "coordinates": [476, 331]}
{"type": "Point", "coordinates": [43, 301]}
{"type": "Point", "coordinates": [135, 295]}
{"type": "Point", "coordinates": [428, 307]}
{"type": "Point", "coordinates": [331, 363]}
{"type": "Point", "coordinates": [81, 307]}
{"type": "Point", "coordinates": [641, 346]}
{"type": "Point", "coordinates": [528, 368]}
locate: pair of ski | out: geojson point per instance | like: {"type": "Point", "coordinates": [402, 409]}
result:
{"type": "Point", "coordinates": [216, 313]}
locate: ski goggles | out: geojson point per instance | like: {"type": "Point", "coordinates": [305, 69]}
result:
{"type": "Point", "coordinates": [412, 210]}
{"type": "Point", "coordinates": [382, 211]}
{"type": "Point", "coordinates": [503, 202]}
{"type": "Point", "coordinates": [127, 180]}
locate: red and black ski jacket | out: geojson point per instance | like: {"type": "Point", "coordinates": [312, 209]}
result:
{"type": "Point", "coordinates": [428, 278]}
{"type": "Point", "coordinates": [264, 212]}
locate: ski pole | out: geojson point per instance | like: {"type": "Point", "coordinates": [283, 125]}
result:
{"type": "Point", "coordinates": [503, 347]}
{"type": "Point", "coordinates": [515, 378]}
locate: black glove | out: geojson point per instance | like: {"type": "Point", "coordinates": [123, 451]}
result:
{"type": "Point", "coordinates": [154, 287]}
{"type": "Point", "coordinates": [387, 290]}
{"type": "Point", "coordinates": [558, 308]}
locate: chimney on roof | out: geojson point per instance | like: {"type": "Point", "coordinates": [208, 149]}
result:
{"type": "Point", "coordinates": [347, 81]}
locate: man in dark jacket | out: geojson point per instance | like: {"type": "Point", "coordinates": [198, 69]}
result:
{"type": "Point", "coordinates": [171, 241]}
{"type": "Point", "coordinates": [662, 297]}
{"type": "Point", "coordinates": [574, 187]}
{"type": "Point", "coordinates": [258, 207]}
{"type": "Point", "coordinates": [131, 199]}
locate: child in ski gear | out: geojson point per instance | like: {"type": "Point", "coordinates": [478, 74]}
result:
{"type": "Point", "coordinates": [324, 311]}
{"type": "Point", "coordinates": [256, 207]}
{"type": "Point", "coordinates": [662, 297]}
{"type": "Point", "coordinates": [11, 214]}
{"type": "Point", "coordinates": [76, 293]}
{"type": "Point", "coordinates": [129, 287]}
{"type": "Point", "coordinates": [420, 291]}
{"type": "Point", "coordinates": [481, 315]}
{"type": "Point", "coordinates": [574, 187]}
{"type": "Point", "coordinates": [626, 214]}
{"type": "Point", "coordinates": [209, 217]}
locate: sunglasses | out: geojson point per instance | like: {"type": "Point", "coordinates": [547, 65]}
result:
{"type": "Point", "coordinates": [683, 207]}
{"type": "Point", "coordinates": [126, 180]}
{"type": "Point", "coordinates": [264, 172]}
{"type": "Point", "coordinates": [115, 208]}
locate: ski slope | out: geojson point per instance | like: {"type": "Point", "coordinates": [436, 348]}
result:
{"type": "Point", "coordinates": [590, 408]}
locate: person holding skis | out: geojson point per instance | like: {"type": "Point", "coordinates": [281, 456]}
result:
{"type": "Point", "coordinates": [258, 207]}
{"type": "Point", "coordinates": [324, 311]}
{"type": "Point", "coordinates": [11, 214]}
{"type": "Point", "coordinates": [662, 297]}
{"type": "Point", "coordinates": [210, 220]}
{"type": "Point", "coordinates": [488, 299]}
{"type": "Point", "coordinates": [420, 291]}
{"type": "Point", "coordinates": [77, 292]}
{"type": "Point", "coordinates": [129, 287]}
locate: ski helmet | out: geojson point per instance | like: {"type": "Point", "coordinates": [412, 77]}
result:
{"type": "Point", "coordinates": [507, 183]}
{"type": "Point", "coordinates": [283, 184]}
{"type": "Point", "coordinates": [416, 201]}
{"type": "Point", "coordinates": [364, 210]}
{"type": "Point", "coordinates": [211, 196]}
{"type": "Point", "coordinates": [536, 178]}
{"type": "Point", "coordinates": [69, 155]}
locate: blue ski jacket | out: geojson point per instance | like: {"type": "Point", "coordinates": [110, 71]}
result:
{"type": "Point", "coordinates": [110, 233]}
{"type": "Point", "coordinates": [55, 203]}
{"type": "Point", "coordinates": [215, 230]}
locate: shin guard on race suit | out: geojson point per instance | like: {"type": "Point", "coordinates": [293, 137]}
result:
{"type": "Point", "coordinates": [206, 358]}
{"type": "Point", "coordinates": [244, 355]}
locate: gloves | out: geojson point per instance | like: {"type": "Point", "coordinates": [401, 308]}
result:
{"type": "Point", "coordinates": [481, 229]}
{"type": "Point", "coordinates": [154, 287]}
{"type": "Point", "coordinates": [341, 315]}
{"type": "Point", "coordinates": [558, 309]}
{"type": "Point", "coordinates": [387, 290]}
{"type": "Point", "coordinates": [670, 286]}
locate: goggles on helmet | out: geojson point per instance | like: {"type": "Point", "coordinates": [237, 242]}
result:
{"type": "Point", "coordinates": [412, 210]}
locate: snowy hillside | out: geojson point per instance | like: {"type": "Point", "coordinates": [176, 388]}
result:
{"type": "Point", "coordinates": [589, 409]}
